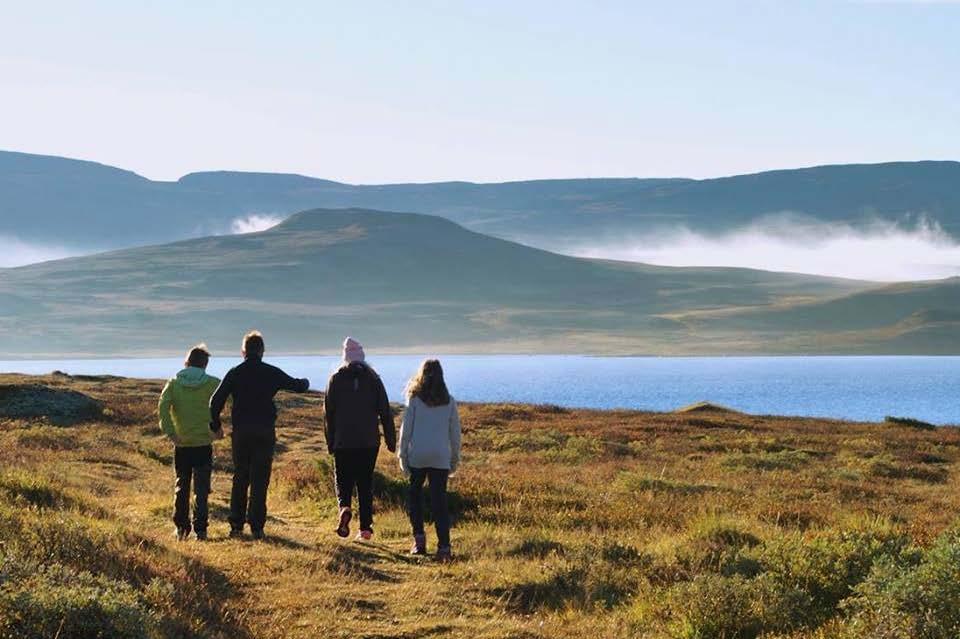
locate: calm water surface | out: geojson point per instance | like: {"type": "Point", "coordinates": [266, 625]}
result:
{"type": "Point", "coordinates": [863, 388]}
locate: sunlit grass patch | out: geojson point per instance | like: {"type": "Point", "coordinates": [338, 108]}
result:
{"type": "Point", "coordinates": [592, 577]}
{"type": "Point", "coordinates": [46, 438]}
{"type": "Point", "coordinates": [767, 461]}
{"type": "Point", "coordinates": [635, 482]}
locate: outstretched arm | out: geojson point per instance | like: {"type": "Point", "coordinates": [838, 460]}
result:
{"type": "Point", "coordinates": [292, 384]}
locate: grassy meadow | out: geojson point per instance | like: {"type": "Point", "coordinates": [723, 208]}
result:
{"type": "Point", "coordinates": [702, 523]}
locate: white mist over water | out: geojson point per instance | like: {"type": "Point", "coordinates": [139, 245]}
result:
{"type": "Point", "coordinates": [16, 252]}
{"type": "Point", "coordinates": [254, 223]}
{"type": "Point", "coordinates": [880, 251]}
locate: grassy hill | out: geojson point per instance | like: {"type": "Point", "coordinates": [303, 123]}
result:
{"type": "Point", "coordinates": [82, 204]}
{"type": "Point", "coordinates": [698, 523]}
{"type": "Point", "coordinates": [399, 281]}
{"type": "Point", "coordinates": [914, 317]}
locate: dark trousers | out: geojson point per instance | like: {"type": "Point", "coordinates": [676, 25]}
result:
{"type": "Point", "coordinates": [252, 462]}
{"type": "Point", "coordinates": [354, 467]}
{"type": "Point", "coordinates": [438, 502]}
{"type": "Point", "coordinates": [192, 463]}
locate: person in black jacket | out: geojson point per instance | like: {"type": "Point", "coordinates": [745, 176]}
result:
{"type": "Point", "coordinates": [253, 385]}
{"type": "Point", "coordinates": [354, 404]}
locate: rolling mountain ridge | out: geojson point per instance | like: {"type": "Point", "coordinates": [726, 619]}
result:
{"type": "Point", "coordinates": [414, 282]}
{"type": "Point", "coordinates": [85, 205]}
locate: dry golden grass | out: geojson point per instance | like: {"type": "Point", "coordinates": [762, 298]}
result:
{"type": "Point", "coordinates": [569, 523]}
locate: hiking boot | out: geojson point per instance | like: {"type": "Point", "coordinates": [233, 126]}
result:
{"type": "Point", "coordinates": [444, 555]}
{"type": "Point", "coordinates": [258, 534]}
{"type": "Point", "coordinates": [236, 533]}
{"type": "Point", "coordinates": [201, 535]}
{"type": "Point", "coordinates": [365, 535]}
{"type": "Point", "coordinates": [343, 526]}
{"type": "Point", "coordinates": [183, 534]}
{"type": "Point", "coordinates": [419, 545]}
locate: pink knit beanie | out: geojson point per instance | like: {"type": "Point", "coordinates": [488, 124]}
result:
{"type": "Point", "coordinates": [352, 351]}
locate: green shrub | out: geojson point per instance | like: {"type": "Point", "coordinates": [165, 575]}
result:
{"type": "Point", "coordinates": [592, 577]}
{"type": "Point", "coordinates": [780, 460]}
{"type": "Point", "coordinates": [717, 545]}
{"type": "Point", "coordinates": [909, 422]}
{"type": "Point", "coordinates": [718, 607]}
{"type": "Point", "coordinates": [574, 450]}
{"type": "Point", "coordinates": [829, 566]}
{"type": "Point", "coordinates": [528, 442]}
{"type": "Point", "coordinates": [25, 489]}
{"type": "Point", "coordinates": [54, 601]}
{"type": "Point", "coordinates": [917, 597]}
{"type": "Point", "coordinates": [633, 482]}
{"type": "Point", "coordinates": [886, 466]}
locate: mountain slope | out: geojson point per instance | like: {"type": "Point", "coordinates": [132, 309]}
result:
{"type": "Point", "coordinates": [396, 280]}
{"type": "Point", "coordinates": [82, 204]}
{"type": "Point", "coordinates": [846, 193]}
{"type": "Point", "coordinates": [914, 317]}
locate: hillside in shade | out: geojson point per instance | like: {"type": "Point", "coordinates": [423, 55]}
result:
{"type": "Point", "coordinates": [408, 281]}
{"type": "Point", "coordinates": [84, 205]}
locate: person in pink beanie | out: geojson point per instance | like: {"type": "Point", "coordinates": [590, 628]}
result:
{"type": "Point", "coordinates": [356, 406]}
{"type": "Point", "coordinates": [353, 351]}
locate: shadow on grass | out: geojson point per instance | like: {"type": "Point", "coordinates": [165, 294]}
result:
{"type": "Point", "coordinates": [356, 563]}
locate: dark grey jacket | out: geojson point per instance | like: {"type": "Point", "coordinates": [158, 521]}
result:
{"type": "Point", "coordinates": [355, 402]}
{"type": "Point", "coordinates": [253, 385]}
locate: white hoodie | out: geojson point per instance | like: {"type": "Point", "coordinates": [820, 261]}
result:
{"type": "Point", "coordinates": [429, 436]}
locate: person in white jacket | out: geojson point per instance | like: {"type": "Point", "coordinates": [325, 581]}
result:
{"type": "Point", "coordinates": [429, 449]}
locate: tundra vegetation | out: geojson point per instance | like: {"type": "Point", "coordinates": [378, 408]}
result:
{"type": "Point", "coordinates": [703, 523]}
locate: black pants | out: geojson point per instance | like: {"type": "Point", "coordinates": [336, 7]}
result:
{"type": "Point", "coordinates": [252, 462]}
{"type": "Point", "coordinates": [354, 467]}
{"type": "Point", "coordinates": [438, 502]}
{"type": "Point", "coordinates": [196, 463]}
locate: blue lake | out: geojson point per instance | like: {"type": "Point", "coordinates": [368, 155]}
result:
{"type": "Point", "coordinates": [861, 388]}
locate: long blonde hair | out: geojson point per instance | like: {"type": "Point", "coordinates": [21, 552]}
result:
{"type": "Point", "coordinates": [428, 384]}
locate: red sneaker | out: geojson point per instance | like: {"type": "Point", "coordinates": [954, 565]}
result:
{"type": "Point", "coordinates": [365, 535]}
{"type": "Point", "coordinates": [343, 527]}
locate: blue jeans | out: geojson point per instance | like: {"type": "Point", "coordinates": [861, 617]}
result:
{"type": "Point", "coordinates": [438, 502]}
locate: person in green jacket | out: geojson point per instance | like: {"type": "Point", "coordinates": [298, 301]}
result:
{"type": "Point", "coordinates": [185, 420]}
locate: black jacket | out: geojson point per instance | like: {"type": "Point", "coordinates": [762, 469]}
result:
{"type": "Point", "coordinates": [253, 385]}
{"type": "Point", "coordinates": [356, 400]}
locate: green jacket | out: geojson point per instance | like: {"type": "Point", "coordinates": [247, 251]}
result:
{"type": "Point", "coordinates": [185, 407]}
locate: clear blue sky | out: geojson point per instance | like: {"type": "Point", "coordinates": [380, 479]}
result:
{"type": "Point", "coordinates": [484, 90]}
